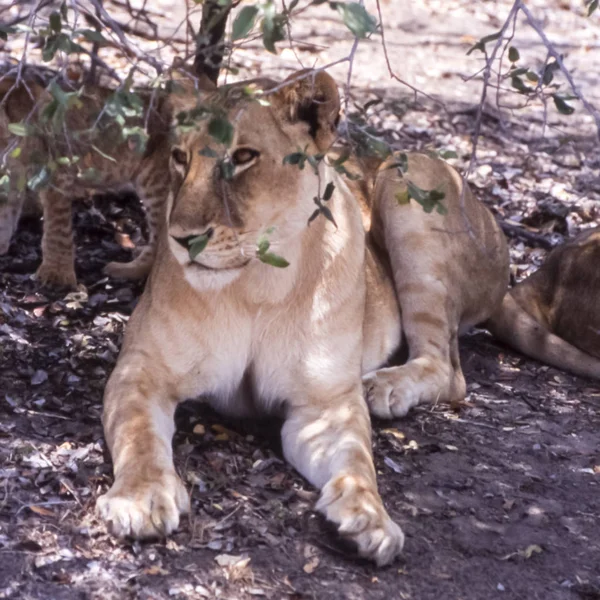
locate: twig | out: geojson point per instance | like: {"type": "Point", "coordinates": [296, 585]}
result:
{"type": "Point", "coordinates": [126, 45]}
{"type": "Point", "coordinates": [487, 73]}
{"type": "Point", "coordinates": [389, 64]}
{"type": "Point", "coordinates": [591, 109]}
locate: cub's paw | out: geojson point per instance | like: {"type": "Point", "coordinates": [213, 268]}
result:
{"type": "Point", "coordinates": [357, 510]}
{"type": "Point", "coordinates": [394, 391]}
{"type": "Point", "coordinates": [57, 277]}
{"type": "Point", "coordinates": [144, 510]}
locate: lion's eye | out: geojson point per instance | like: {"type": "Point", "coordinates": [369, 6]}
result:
{"type": "Point", "coordinates": [179, 157]}
{"type": "Point", "coordinates": [244, 156]}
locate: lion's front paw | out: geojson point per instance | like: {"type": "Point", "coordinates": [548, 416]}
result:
{"type": "Point", "coordinates": [144, 510]}
{"type": "Point", "coordinates": [57, 276]}
{"type": "Point", "coordinates": [357, 510]}
{"type": "Point", "coordinates": [392, 392]}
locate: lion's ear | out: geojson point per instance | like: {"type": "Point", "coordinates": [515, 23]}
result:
{"type": "Point", "coordinates": [313, 98]}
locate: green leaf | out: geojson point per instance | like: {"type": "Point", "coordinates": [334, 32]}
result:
{"type": "Point", "coordinates": [513, 54]}
{"type": "Point", "coordinates": [480, 45]}
{"type": "Point", "coordinates": [518, 84]}
{"type": "Point", "coordinates": [592, 7]}
{"type": "Point", "coordinates": [441, 209]}
{"type": "Point", "coordinates": [328, 191]}
{"type": "Point", "coordinates": [532, 76]}
{"type": "Point", "coordinates": [378, 148]}
{"type": "Point", "coordinates": [67, 160]}
{"type": "Point", "coordinates": [327, 214]}
{"type": "Point", "coordinates": [20, 129]}
{"type": "Point", "coordinates": [562, 107]}
{"type": "Point", "coordinates": [50, 48]}
{"type": "Point", "coordinates": [5, 30]}
{"type": "Point", "coordinates": [221, 130]}
{"type": "Point", "coordinates": [295, 158]}
{"type": "Point", "coordinates": [273, 259]}
{"type": "Point", "coordinates": [55, 21]}
{"type": "Point", "coordinates": [548, 74]}
{"type": "Point", "coordinates": [403, 197]}
{"type": "Point", "coordinates": [93, 36]}
{"type": "Point", "coordinates": [446, 154]}
{"type": "Point", "coordinates": [356, 18]}
{"type": "Point", "coordinates": [16, 152]}
{"type": "Point", "coordinates": [272, 27]}
{"type": "Point", "coordinates": [314, 215]}
{"type": "Point", "coordinates": [244, 22]}
{"type": "Point", "coordinates": [263, 244]}
{"type": "Point", "coordinates": [427, 199]}
{"type": "Point", "coordinates": [196, 245]}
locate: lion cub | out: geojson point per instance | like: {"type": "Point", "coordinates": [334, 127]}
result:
{"type": "Point", "coordinates": [306, 341]}
{"type": "Point", "coordinates": [554, 315]}
{"type": "Point", "coordinates": [86, 151]}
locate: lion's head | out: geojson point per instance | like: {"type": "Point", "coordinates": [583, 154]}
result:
{"type": "Point", "coordinates": [231, 187]}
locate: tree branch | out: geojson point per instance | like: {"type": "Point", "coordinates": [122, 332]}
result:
{"type": "Point", "coordinates": [591, 109]}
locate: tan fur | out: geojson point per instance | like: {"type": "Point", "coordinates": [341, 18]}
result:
{"type": "Point", "coordinates": [149, 172]}
{"type": "Point", "coordinates": [554, 315]}
{"type": "Point", "coordinates": [251, 338]}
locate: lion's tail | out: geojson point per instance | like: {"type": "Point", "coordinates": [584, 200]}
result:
{"type": "Point", "coordinates": [517, 329]}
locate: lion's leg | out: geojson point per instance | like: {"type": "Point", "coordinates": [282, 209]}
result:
{"type": "Point", "coordinates": [147, 495]}
{"type": "Point", "coordinates": [429, 318]}
{"type": "Point", "coordinates": [152, 186]}
{"type": "Point", "coordinates": [58, 252]}
{"type": "Point", "coordinates": [331, 446]}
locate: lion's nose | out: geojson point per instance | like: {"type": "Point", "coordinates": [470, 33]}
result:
{"type": "Point", "coordinates": [186, 241]}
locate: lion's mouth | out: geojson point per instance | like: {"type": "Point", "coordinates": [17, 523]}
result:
{"type": "Point", "coordinates": [202, 267]}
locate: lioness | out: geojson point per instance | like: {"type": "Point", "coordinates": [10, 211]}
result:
{"type": "Point", "coordinates": [554, 315]}
{"type": "Point", "coordinates": [304, 340]}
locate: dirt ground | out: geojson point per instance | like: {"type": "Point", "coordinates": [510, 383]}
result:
{"type": "Point", "coordinates": [500, 499]}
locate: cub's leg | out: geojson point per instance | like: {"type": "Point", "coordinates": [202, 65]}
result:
{"type": "Point", "coordinates": [147, 495]}
{"type": "Point", "coordinates": [11, 206]}
{"type": "Point", "coordinates": [58, 252]}
{"type": "Point", "coordinates": [152, 186]}
{"type": "Point", "coordinates": [329, 443]}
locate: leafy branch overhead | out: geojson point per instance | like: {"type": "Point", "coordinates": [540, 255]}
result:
{"type": "Point", "coordinates": [272, 24]}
